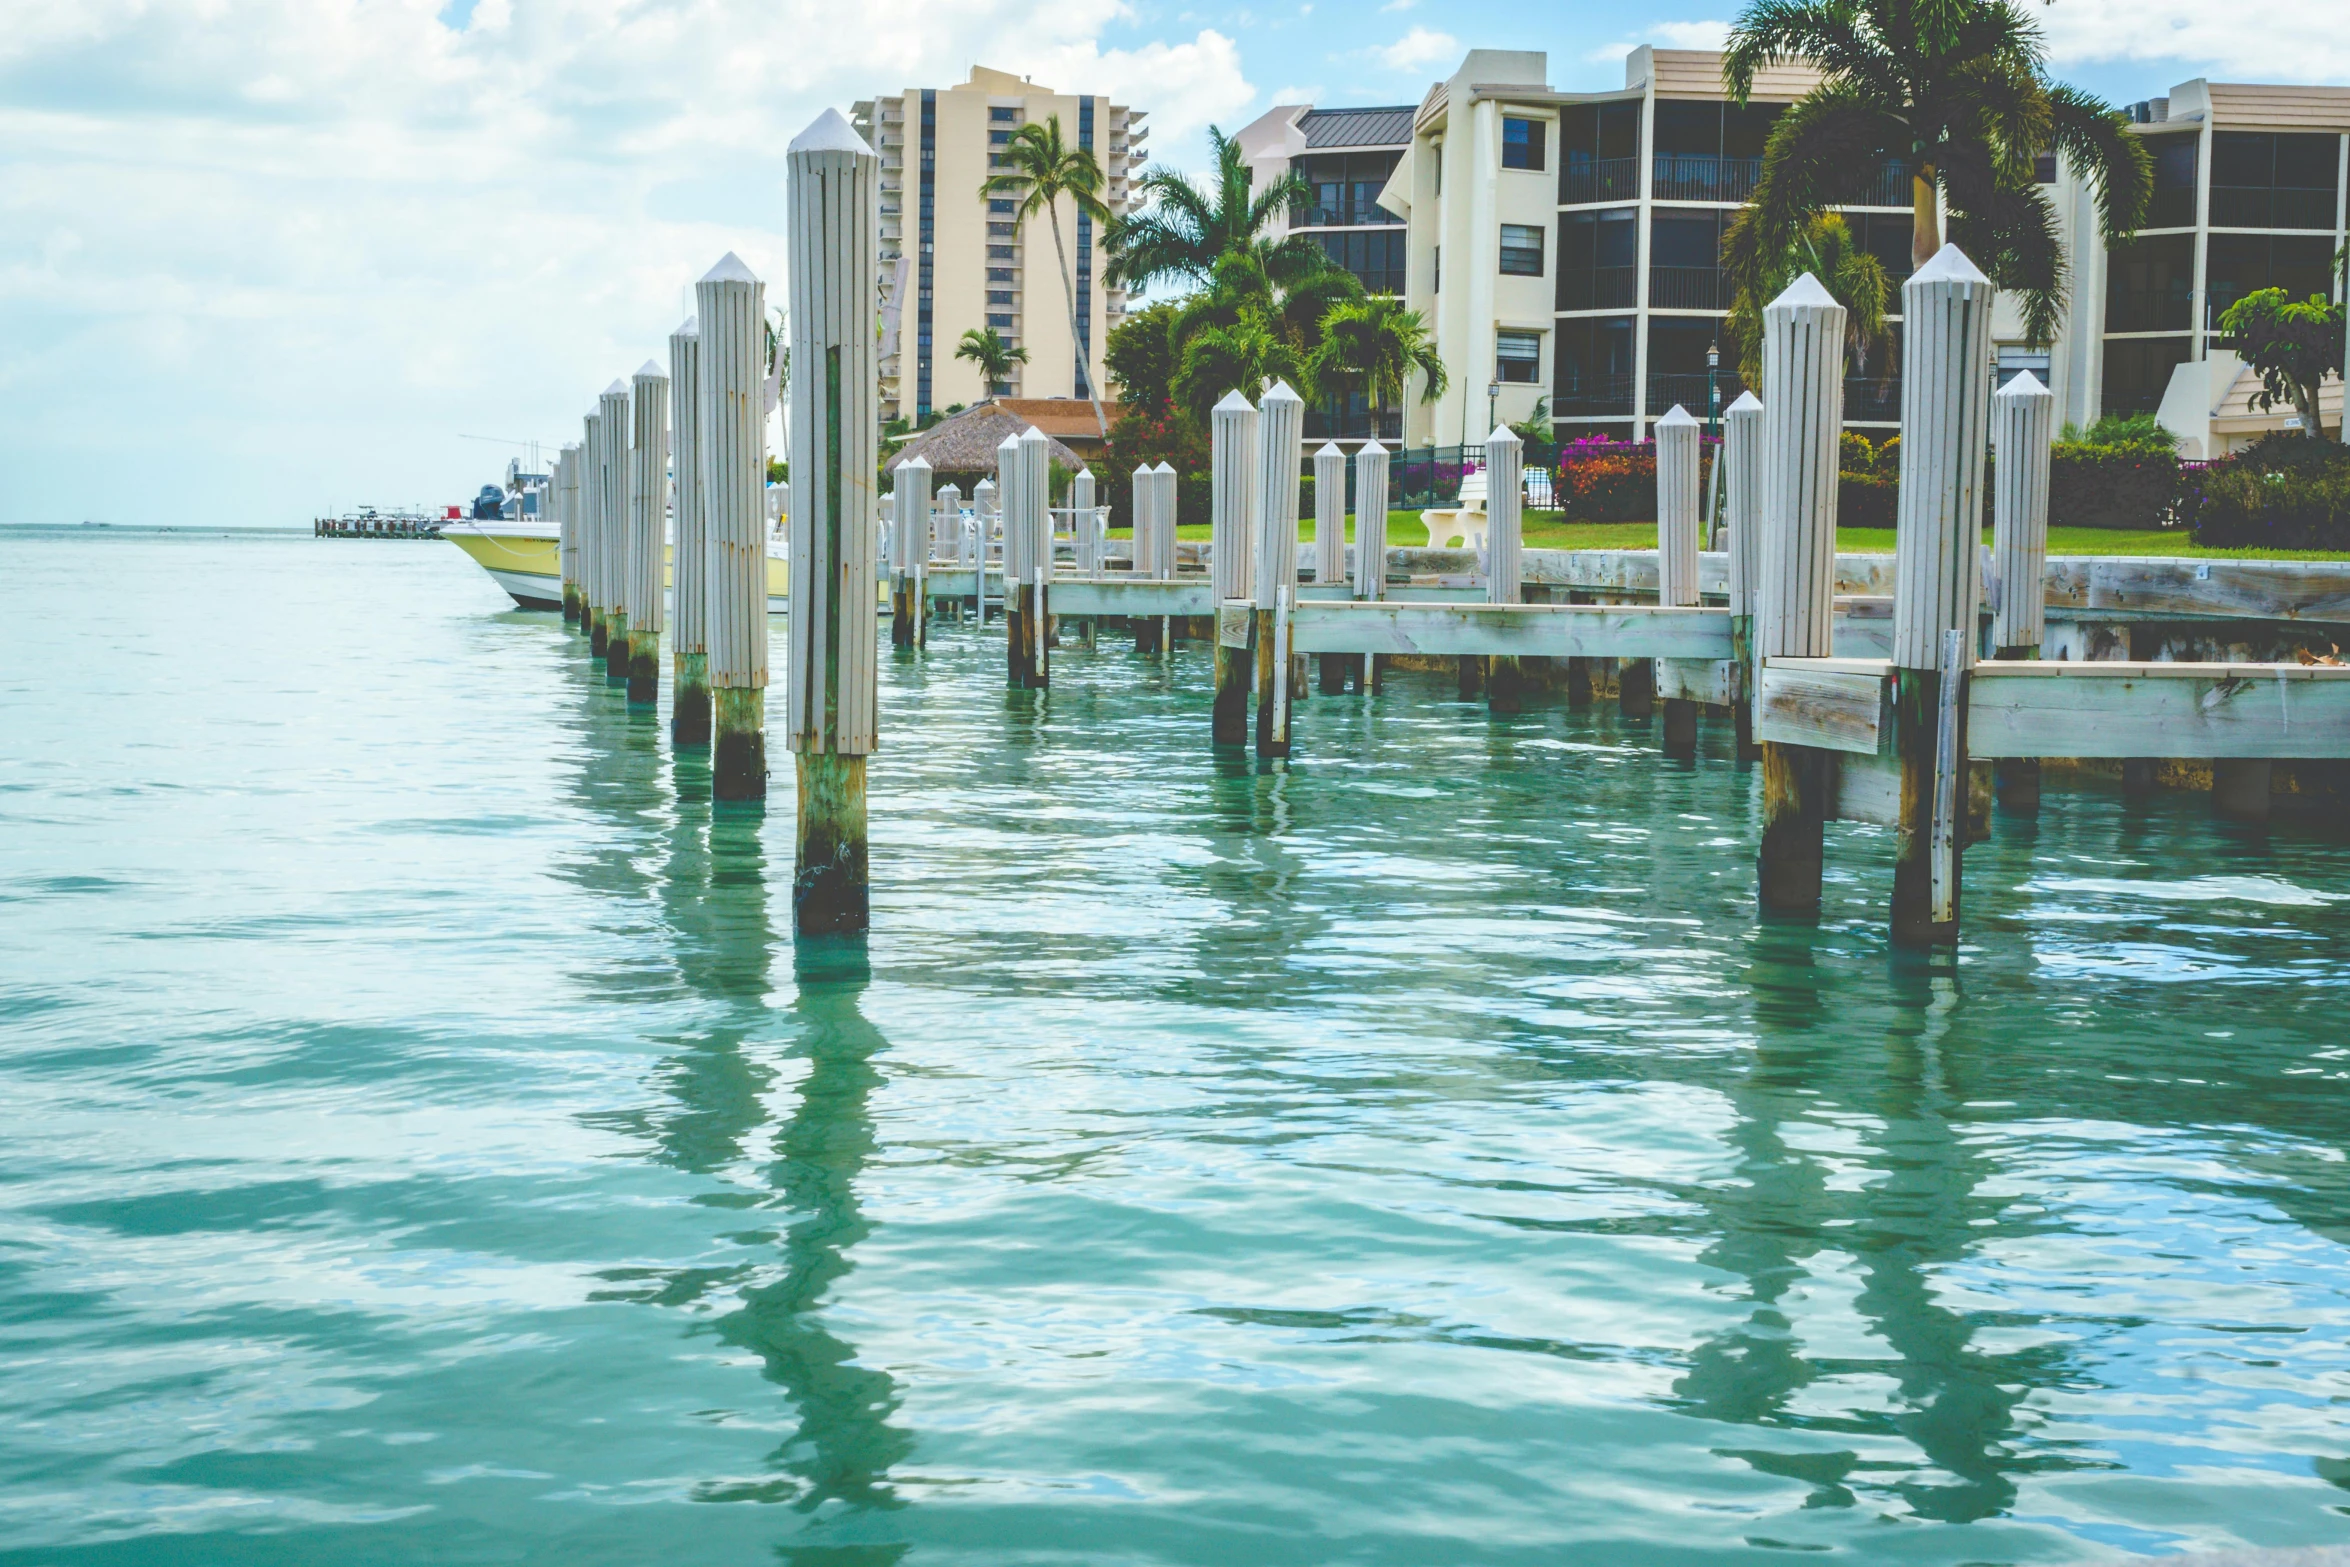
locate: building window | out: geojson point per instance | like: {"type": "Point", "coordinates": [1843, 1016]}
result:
{"type": "Point", "coordinates": [2044, 169]}
{"type": "Point", "coordinates": [1375, 257]}
{"type": "Point", "coordinates": [1003, 116]}
{"type": "Point", "coordinates": [1002, 296]}
{"type": "Point", "coordinates": [999, 138]}
{"type": "Point", "coordinates": [2261, 180]}
{"type": "Point", "coordinates": [1591, 367]}
{"type": "Point", "coordinates": [2240, 264]}
{"type": "Point", "coordinates": [1684, 259]}
{"type": "Point", "coordinates": [1001, 205]}
{"type": "Point", "coordinates": [999, 252]}
{"type": "Point", "coordinates": [999, 274]}
{"type": "Point", "coordinates": [1000, 321]}
{"type": "Point", "coordinates": [1343, 189]}
{"type": "Point", "coordinates": [2175, 168]}
{"type": "Point", "coordinates": [1517, 358]}
{"type": "Point", "coordinates": [1599, 259]}
{"type": "Point", "coordinates": [2148, 284]}
{"type": "Point", "coordinates": [1521, 249]}
{"type": "Point", "coordinates": [2137, 372]}
{"type": "Point", "coordinates": [1599, 152]}
{"type": "Point", "coordinates": [1003, 231]}
{"type": "Point", "coordinates": [1521, 143]}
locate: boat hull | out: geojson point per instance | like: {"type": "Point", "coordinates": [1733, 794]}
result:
{"type": "Point", "coordinates": [528, 565]}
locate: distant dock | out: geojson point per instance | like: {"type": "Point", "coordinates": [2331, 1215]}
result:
{"type": "Point", "coordinates": [370, 524]}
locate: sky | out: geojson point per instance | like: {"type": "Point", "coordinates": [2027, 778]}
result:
{"type": "Point", "coordinates": [263, 260]}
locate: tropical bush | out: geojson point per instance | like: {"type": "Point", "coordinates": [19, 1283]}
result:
{"type": "Point", "coordinates": [2283, 492]}
{"type": "Point", "coordinates": [1165, 434]}
{"type": "Point", "coordinates": [2118, 486]}
{"type": "Point", "coordinates": [1614, 486]}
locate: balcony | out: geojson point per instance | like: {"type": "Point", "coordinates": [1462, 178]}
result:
{"type": "Point", "coordinates": [1599, 288]}
{"type": "Point", "coordinates": [1592, 394]}
{"type": "Point", "coordinates": [2271, 207]}
{"type": "Point", "coordinates": [2148, 309]}
{"type": "Point", "coordinates": [1599, 179]}
{"type": "Point", "coordinates": [2173, 207]}
{"type": "Point", "coordinates": [1889, 186]}
{"type": "Point", "coordinates": [1688, 389]}
{"type": "Point", "coordinates": [1687, 288]}
{"type": "Point", "coordinates": [1704, 177]}
{"type": "Point", "coordinates": [1318, 217]}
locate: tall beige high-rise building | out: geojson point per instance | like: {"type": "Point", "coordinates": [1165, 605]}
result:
{"type": "Point", "coordinates": [953, 260]}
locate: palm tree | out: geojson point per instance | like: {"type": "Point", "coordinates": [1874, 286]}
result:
{"type": "Point", "coordinates": [1375, 345]}
{"type": "Point", "coordinates": [1042, 168]}
{"type": "Point", "coordinates": [1185, 230]}
{"type": "Point", "coordinates": [1245, 354]}
{"type": "Point", "coordinates": [1957, 92]}
{"type": "Point", "coordinates": [985, 347]}
{"type": "Point", "coordinates": [1826, 249]}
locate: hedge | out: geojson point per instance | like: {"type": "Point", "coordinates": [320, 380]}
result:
{"type": "Point", "coordinates": [2284, 492]}
{"type": "Point", "coordinates": [2111, 486]}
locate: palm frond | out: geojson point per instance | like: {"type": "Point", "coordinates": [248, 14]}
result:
{"type": "Point", "coordinates": [2096, 139]}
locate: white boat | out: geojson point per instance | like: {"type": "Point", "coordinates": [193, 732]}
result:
{"type": "Point", "coordinates": [522, 557]}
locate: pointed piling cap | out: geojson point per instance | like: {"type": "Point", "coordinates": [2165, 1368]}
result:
{"type": "Point", "coordinates": [828, 132]}
{"type": "Point", "coordinates": [649, 371]}
{"type": "Point", "coordinates": [1678, 417]}
{"type": "Point", "coordinates": [691, 326]}
{"type": "Point", "coordinates": [922, 463]}
{"type": "Point", "coordinates": [2025, 384]}
{"type": "Point", "coordinates": [1806, 292]}
{"type": "Point", "coordinates": [1032, 436]}
{"type": "Point", "coordinates": [1280, 391]}
{"type": "Point", "coordinates": [1163, 467]}
{"type": "Point", "coordinates": [1371, 446]}
{"type": "Point", "coordinates": [1009, 444]}
{"type": "Point", "coordinates": [730, 269]}
{"type": "Point", "coordinates": [1234, 403]}
{"type": "Point", "coordinates": [984, 484]}
{"type": "Point", "coordinates": [1950, 265]}
{"type": "Point", "coordinates": [1330, 449]}
{"type": "Point", "coordinates": [1502, 432]}
{"type": "Point", "coordinates": [1143, 470]}
{"type": "Point", "coordinates": [616, 389]}
{"type": "Point", "coordinates": [1746, 400]}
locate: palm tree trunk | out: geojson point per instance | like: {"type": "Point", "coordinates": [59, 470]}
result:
{"type": "Point", "coordinates": [1925, 219]}
{"type": "Point", "coordinates": [1052, 220]}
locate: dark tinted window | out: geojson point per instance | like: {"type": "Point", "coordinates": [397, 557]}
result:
{"type": "Point", "coordinates": [2148, 283]}
{"type": "Point", "coordinates": [1521, 143]}
{"type": "Point", "coordinates": [2137, 372]}
{"type": "Point", "coordinates": [2240, 264]}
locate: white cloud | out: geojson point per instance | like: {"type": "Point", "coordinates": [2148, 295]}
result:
{"type": "Point", "coordinates": [1394, 6]}
{"type": "Point", "coordinates": [1417, 49]}
{"type": "Point", "coordinates": [1667, 35]}
{"type": "Point", "coordinates": [1296, 94]}
{"type": "Point", "coordinates": [306, 245]}
{"type": "Point", "coordinates": [2290, 41]}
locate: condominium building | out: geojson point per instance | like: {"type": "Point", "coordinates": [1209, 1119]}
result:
{"type": "Point", "coordinates": [1565, 247]}
{"type": "Point", "coordinates": [954, 260]}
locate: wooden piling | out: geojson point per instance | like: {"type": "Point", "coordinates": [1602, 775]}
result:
{"type": "Point", "coordinates": [565, 490]}
{"type": "Point", "coordinates": [1281, 423]}
{"type": "Point", "coordinates": [1802, 416]}
{"type": "Point", "coordinates": [648, 531]}
{"type": "Point", "coordinates": [1677, 537]}
{"type": "Point", "coordinates": [1330, 548]}
{"type": "Point", "coordinates": [984, 516]}
{"type": "Point", "coordinates": [689, 571]}
{"type": "Point", "coordinates": [1163, 520]}
{"type": "Point", "coordinates": [613, 524]}
{"type": "Point", "coordinates": [1232, 540]}
{"type": "Point", "coordinates": [2023, 418]}
{"type": "Point", "coordinates": [1034, 522]}
{"type": "Point", "coordinates": [832, 235]}
{"type": "Point", "coordinates": [590, 529]}
{"type": "Point", "coordinates": [730, 426]}
{"type": "Point", "coordinates": [909, 519]}
{"type": "Point", "coordinates": [1142, 503]}
{"type": "Point", "coordinates": [1505, 500]}
{"type": "Point", "coordinates": [1370, 546]}
{"type": "Point", "coordinates": [1740, 466]}
{"type": "Point", "coordinates": [1945, 416]}
{"type": "Point", "coordinates": [1086, 538]}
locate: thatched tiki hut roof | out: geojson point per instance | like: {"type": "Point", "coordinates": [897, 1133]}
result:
{"type": "Point", "coordinates": [961, 450]}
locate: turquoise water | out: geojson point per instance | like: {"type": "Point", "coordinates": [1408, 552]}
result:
{"type": "Point", "coordinates": [423, 1141]}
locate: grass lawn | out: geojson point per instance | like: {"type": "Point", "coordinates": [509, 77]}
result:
{"type": "Point", "coordinates": [1549, 530]}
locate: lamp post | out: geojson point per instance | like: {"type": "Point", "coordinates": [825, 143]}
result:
{"type": "Point", "coordinates": [1492, 403]}
{"type": "Point", "coordinates": [1713, 423]}
{"type": "Point", "coordinates": [1713, 391]}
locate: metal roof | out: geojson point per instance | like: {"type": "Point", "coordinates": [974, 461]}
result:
{"type": "Point", "coordinates": [1390, 127]}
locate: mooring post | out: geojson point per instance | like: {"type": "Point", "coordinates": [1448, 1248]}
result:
{"type": "Point", "coordinates": [1505, 500]}
{"type": "Point", "coordinates": [648, 531]}
{"type": "Point", "coordinates": [1035, 520]}
{"type": "Point", "coordinates": [1281, 416]}
{"type": "Point", "coordinates": [984, 497]}
{"type": "Point", "coordinates": [1795, 600]}
{"type": "Point", "coordinates": [1937, 586]}
{"type": "Point", "coordinates": [617, 433]}
{"type": "Point", "coordinates": [588, 528]}
{"type": "Point", "coordinates": [1232, 447]}
{"type": "Point", "coordinates": [1677, 534]}
{"type": "Point", "coordinates": [730, 431]}
{"type": "Point", "coordinates": [946, 537]}
{"type": "Point", "coordinates": [909, 545]}
{"type": "Point", "coordinates": [1370, 546]}
{"type": "Point", "coordinates": [1741, 463]}
{"type": "Point", "coordinates": [689, 569]}
{"type": "Point", "coordinates": [1142, 503]}
{"type": "Point", "coordinates": [1163, 488]}
{"type": "Point", "coordinates": [832, 235]}
{"type": "Point", "coordinates": [566, 496]}
{"type": "Point", "coordinates": [1330, 546]}
{"type": "Point", "coordinates": [1086, 540]}
{"type": "Point", "coordinates": [2023, 419]}
{"type": "Point", "coordinates": [1010, 474]}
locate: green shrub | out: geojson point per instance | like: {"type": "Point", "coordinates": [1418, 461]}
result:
{"type": "Point", "coordinates": [2284, 492]}
{"type": "Point", "coordinates": [1866, 500]}
{"type": "Point", "coordinates": [1617, 487]}
{"type": "Point", "coordinates": [2093, 486]}
{"type": "Point", "coordinates": [2140, 431]}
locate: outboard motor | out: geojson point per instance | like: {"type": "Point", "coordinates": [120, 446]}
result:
{"type": "Point", "coordinates": [490, 504]}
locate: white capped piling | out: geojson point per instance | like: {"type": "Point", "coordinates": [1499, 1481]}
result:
{"type": "Point", "coordinates": [1937, 593]}
{"type": "Point", "coordinates": [1085, 536]}
{"type": "Point", "coordinates": [689, 553]}
{"type": "Point", "coordinates": [1163, 523]}
{"type": "Point", "coordinates": [1802, 416]}
{"type": "Point", "coordinates": [1370, 520]}
{"type": "Point", "coordinates": [587, 531]}
{"type": "Point", "coordinates": [1280, 425]}
{"type": "Point", "coordinates": [910, 525]}
{"type": "Point", "coordinates": [1142, 503]}
{"type": "Point", "coordinates": [2023, 416]}
{"type": "Point", "coordinates": [731, 431]}
{"type": "Point", "coordinates": [946, 524]}
{"type": "Point", "coordinates": [1034, 521]}
{"type": "Point", "coordinates": [983, 523]}
{"type": "Point", "coordinates": [1678, 529]}
{"type": "Point", "coordinates": [1329, 514]}
{"type": "Point", "coordinates": [648, 530]}
{"type": "Point", "coordinates": [1232, 449]}
{"type": "Point", "coordinates": [566, 497]}
{"type": "Point", "coordinates": [1740, 461]}
{"type": "Point", "coordinates": [832, 232]}
{"type": "Point", "coordinates": [1010, 475]}
{"type": "Point", "coordinates": [613, 524]}
{"type": "Point", "coordinates": [1505, 501]}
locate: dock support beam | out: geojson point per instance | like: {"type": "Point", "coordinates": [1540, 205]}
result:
{"type": "Point", "coordinates": [689, 637]}
{"type": "Point", "coordinates": [1945, 419]}
{"type": "Point", "coordinates": [2023, 416]}
{"type": "Point", "coordinates": [648, 529]}
{"type": "Point", "coordinates": [1280, 423]}
{"type": "Point", "coordinates": [1677, 524]}
{"type": "Point", "coordinates": [1231, 554]}
{"type": "Point", "coordinates": [1802, 416]}
{"type": "Point", "coordinates": [730, 426]}
{"type": "Point", "coordinates": [832, 680]}
{"type": "Point", "coordinates": [1505, 497]}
